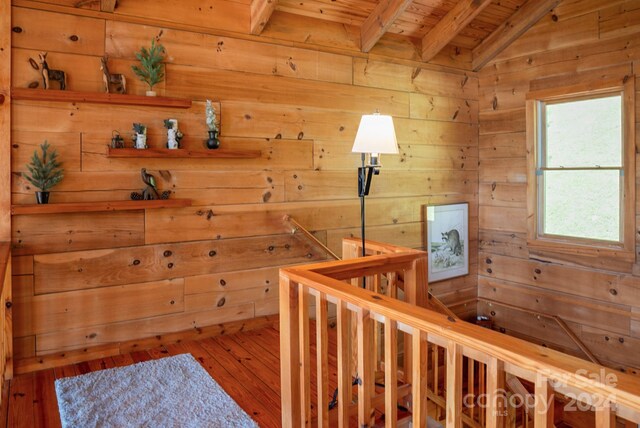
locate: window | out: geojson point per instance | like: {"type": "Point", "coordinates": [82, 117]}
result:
{"type": "Point", "coordinates": [581, 162]}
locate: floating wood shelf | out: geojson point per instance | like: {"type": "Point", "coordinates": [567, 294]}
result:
{"type": "Point", "coordinates": [97, 98]}
{"type": "Point", "coordinates": [183, 153]}
{"type": "Point", "coordinates": [74, 207]}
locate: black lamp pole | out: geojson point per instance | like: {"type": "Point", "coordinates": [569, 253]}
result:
{"type": "Point", "coordinates": [365, 172]}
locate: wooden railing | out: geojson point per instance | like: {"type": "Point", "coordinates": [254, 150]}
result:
{"type": "Point", "coordinates": [330, 286]}
{"type": "Point", "coordinates": [6, 336]}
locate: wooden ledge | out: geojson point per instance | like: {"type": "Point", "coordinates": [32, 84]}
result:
{"type": "Point", "coordinates": [183, 153]}
{"type": "Point", "coordinates": [97, 98]}
{"type": "Point", "coordinates": [75, 207]}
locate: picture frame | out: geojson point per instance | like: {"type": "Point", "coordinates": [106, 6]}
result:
{"type": "Point", "coordinates": [447, 240]}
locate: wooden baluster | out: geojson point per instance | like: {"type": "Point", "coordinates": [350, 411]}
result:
{"type": "Point", "coordinates": [496, 394]}
{"type": "Point", "coordinates": [419, 378]}
{"type": "Point", "coordinates": [390, 373]}
{"type": "Point", "coordinates": [322, 360]}
{"type": "Point", "coordinates": [454, 385]}
{"type": "Point", "coordinates": [471, 375]}
{"type": "Point", "coordinates": [605, 416]}
{"type": "Point", "coordinates": [305, 355]}
{"type": "Point", "coordinates": [481, 392]}
{"type": "Point", "coordinates": [435, 364]}
{"type": "Point", "coordinates": [289, 353]}
{"type": "Point", "coordinates": [365, 369]}
{"type": "Point", "coordinates": [544, 403]}
{"type": "Point", "coordinates": [344, 359]}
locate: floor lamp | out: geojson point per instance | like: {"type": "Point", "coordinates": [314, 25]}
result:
{"type": "Point", "coordinates": [375, 136]}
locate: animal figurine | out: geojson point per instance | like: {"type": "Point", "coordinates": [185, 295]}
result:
{"type": "Point", "coordinates": [116, 83]}
{"type": "Point", "coordinates": [452, 241]}
{"type": "Point", "coordinates": [150, 192]}
{"type": "Point", "coordinates": [49, 75]}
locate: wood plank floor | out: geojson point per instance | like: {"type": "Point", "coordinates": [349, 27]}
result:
{"type": "Point", "coordinates": [245, 364]}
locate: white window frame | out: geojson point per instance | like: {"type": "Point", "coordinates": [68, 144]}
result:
{"type": "Point", "coordinates": [536, 240]}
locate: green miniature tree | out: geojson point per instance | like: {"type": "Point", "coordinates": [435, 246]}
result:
{"type": "Point", "coordinates": [45, 172]}
{"type": "Point", "coordinates": [151, 70]}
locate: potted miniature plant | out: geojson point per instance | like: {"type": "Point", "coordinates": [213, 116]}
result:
{"type": "Point", "coordinates": [210, 112]}
{"type": "Point", "coordinates": [151, 69]}
{"type": "Point", "coordinates": [44, 172]}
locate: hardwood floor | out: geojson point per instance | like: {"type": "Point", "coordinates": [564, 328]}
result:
{"type": "Point", "coordinates": [245, 364]}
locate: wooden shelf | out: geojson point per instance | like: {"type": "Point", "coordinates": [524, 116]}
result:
{"type": "Point", "coordinates": [183, 153]}
{"type": "Point", "coordinates": [75, 207]}
{"type": "Point", "coordinates": [97, 98]}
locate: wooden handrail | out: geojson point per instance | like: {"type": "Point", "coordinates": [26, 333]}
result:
{"type": "Point", "coordinates": [603, 388]}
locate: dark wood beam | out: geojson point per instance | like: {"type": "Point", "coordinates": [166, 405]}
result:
{"type": "Point", "coordinates": [448, 28]}
{"type": "Point", "coordinates": [261, 11]}
{"type": "Point", "coordinates": [376, 24]}
{"type": "Point", "coordinates": [107, 5]}
{"type": "Point", "coordinates": [523, 19]}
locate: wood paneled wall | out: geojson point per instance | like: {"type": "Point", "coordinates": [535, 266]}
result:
{"type": "Point", "coordinates": [97, 280]}
{"type": "Point", "coordinates": [581, 40]}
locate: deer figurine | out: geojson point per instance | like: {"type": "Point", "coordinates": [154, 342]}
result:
{"type": "Point", "coordinates": [49, 75]}
{"type": "Point", "coordinates": [116, 81]}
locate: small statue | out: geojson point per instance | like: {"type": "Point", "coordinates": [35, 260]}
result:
{"type": "Point", "coordinates": [150, 192]}
{"type": "Point", "coordinates": [140, 136]}
{"type": "Point", "coordinates": [174, 135]}
{"type": "Point", "coordinates": [49, 75]}
{"type": "Point", "coordinates": [116, 81]}
{"type": "Point", "coordinates": [210, 113]}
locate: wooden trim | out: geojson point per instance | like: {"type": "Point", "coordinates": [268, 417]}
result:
{"type": "Point", "coordinates": [588, 248]}
{"type": "Point", "coordinates": [419, 378]}
{"type": "Point", "coordinates": [605, 416]}
{"type": "Point", "coordinates": [379, 21]}
{"type": "Point", "coordinates": [523, 19]}
{"type": "Point", "coordinates": [322, 359]}
{"type": "Point", "coordinates": [5, 120]}
{"type": "Point", "coordinates": [344, 362]}
{"type": "Point", "coordinates": [366, 381]}
{"type": "Point", "coordinates": [183, 153]}
{"type": "Point", "coordinates": [289, 353]}
{"type": "Point", "coordinates": [544, 403]}
{"type": "Point", "coordinates": [305, 355]}
{"type": "Point", "coordinates": [390, 373]}
{"type": "Point", "coordinates": [97, 98]}
{"type": "Point", "coordinates": [450, 26]}
{"type": "Point", "coordinates": [261, 11]}
{"type": "Point", "coordinates": [496, 397]}
{"type": "Point", "coordinates": [454, 385]}
{"type": "Point", "coordinates": [75, 207]}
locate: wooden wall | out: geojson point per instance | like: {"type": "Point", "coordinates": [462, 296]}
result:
{"type": "Point", "coordinates": [296, 93]}
{"type": "Point", "coordinates": [581, 40]}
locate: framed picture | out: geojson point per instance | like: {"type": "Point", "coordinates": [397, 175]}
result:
{"type": "Point", "coordinates": [447, 240]}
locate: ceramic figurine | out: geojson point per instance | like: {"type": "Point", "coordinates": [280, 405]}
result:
{"type": "Point", "coordinates": [210, 112]}
{"type": "Point", "coordinates": [174, 135]}
{"type": "Point", "coordinates": [140, 137]}
{"type": "Point", "coordinates": [151, 191]}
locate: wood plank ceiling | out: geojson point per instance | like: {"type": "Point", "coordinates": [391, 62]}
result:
{"type": "Point", "coordinates": [485, 27]}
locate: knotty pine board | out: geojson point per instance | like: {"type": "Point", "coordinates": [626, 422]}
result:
{"type": "Point", "coordinates": [54, 233]}
{"type": "Point", "coordinates": [143, 327]}
{"type": "Point", "coordinates": [234, 280]}
{"type": "Point", "coordinates": [116, 266]}
{"type": "Point", "coordinates": [22, 265]}
{"type": "Point", "coordinates": [330, 155]}
{"type": "Point", "coordinates": [581, 310]}
{"type": "Point", "coordinates": [504, 243]}
{"type": "Point", "coordinates": [432, 107]}
{"type": "Point", "coordinates": [503, 194]}
{"type": "Point", "coordinates": [204, 222]}
{"type": "Point", "coordinates": [52, 32]}
{"type": "Point", "coordinates": [24, 143]}
{"type": "Point", "coordinates": [73, 309]}
{"type": "Point", "coordinates": [226, 53]}
{"type": "Point", "coordinates": [495, 146]}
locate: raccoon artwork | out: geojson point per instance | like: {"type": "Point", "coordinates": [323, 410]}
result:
{"type": "Point", "coordinates": [452, 241]}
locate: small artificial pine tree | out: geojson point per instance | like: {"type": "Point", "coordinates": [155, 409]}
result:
{"type": "Point", "coordinates": [45, 172]}
{"type": "Point", "coordinates": [151, 70]}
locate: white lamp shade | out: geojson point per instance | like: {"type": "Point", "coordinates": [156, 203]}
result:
{"type": "Point", "coordinates": [375, 135]}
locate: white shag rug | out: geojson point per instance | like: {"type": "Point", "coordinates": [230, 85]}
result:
{"type": "Point", "coordinates": [169, 392]}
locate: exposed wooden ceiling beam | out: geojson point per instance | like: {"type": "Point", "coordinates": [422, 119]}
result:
{"type": "Point", "coordinates": [523, 19]}
{"type": "Point", "coordinates": [107, 5]}
{"type": "Point", "coordinates": [450, 25]}
{"type": "Point", "coordinates": [376, 24]}
{"type": "Point", "coordinates": [261, 11]}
